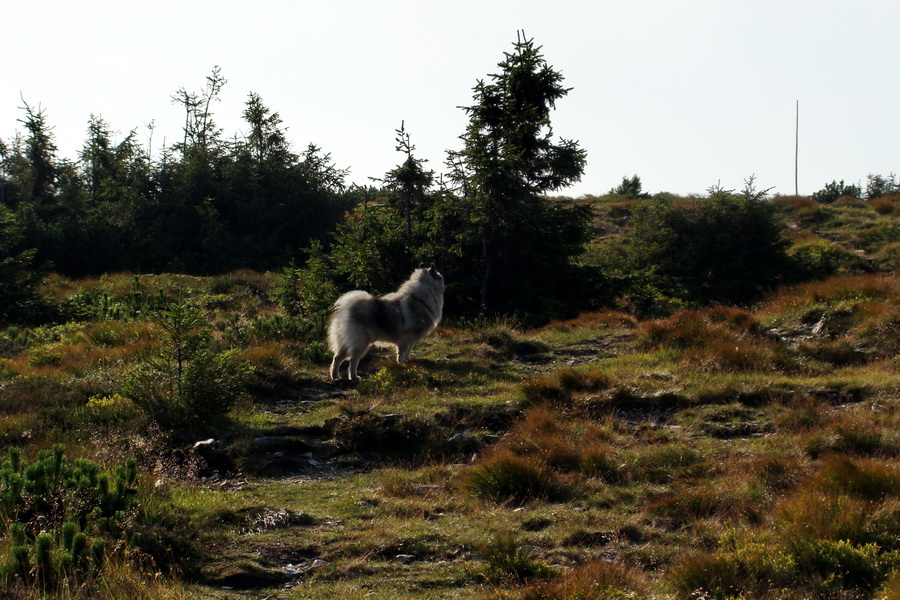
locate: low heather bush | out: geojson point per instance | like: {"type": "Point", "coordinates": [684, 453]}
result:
{"type": "Point", "coordinates": [507, 478]}
{"type": "Point", "coordinates": [506, 561]}
{"type": "Point", "coordinates": [596, 580]}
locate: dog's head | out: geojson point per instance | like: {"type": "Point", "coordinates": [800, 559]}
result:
{"type": "Point", "coordinates": [429, 273]}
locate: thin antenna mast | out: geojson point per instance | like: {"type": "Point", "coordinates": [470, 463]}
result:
{"type": "Point", "coordinates": [797, 149]}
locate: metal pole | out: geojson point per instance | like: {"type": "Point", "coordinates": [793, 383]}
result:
{"type": "Point", "coordinates": [796, 149]}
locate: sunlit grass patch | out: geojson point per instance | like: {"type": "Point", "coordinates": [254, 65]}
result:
{"type": "Point", "coordinates": [268, 354]}
{"type": "Point", "coordinates": [837, 536]}
{"type": "Point", "coordinates": [108, 334]}
{"type": "Point", "coordinates": [613, 320]}
{"type": "Point", "coordinates": [563, 387]}
{"type": "Point", "coordinates": [563, 445]}
{"type": "Point", "coordinates": [855, 432]}
{"type": "Point", "coordinates": [799, 207]}
{"type": "Point", "coordinates": [730, 498]}
{"type": "Point", "coordinates": [277, 367]}
{"type": "Point", "coordinates": [121, 580]}
{"type": "Point", "coordinates": [852, 500]}
{"type": "Point", "coordinates": [508, 562]}
{"type": "Point", "coordinates": [717, 430]}
{"type": "Point", "coordinates": [717, 339]}
{"type": "Point", "coordinates": [395, 376]}
{"type": "Point", "coordinates": [848, 385]}
{"type": "Point", "coordinates": [596, 580]}
{"type": "Point", "coordinates": [505, 477]}
{"type": "Point", "coordinates": [207, 505]}
{"type": "Point", "coordinates": [667, 462]}
{"type": "Point", "coordinates": [753, 569]}
{"type": "Point", "coordinates": [865, 478]}
{"type": "Point", "coordinates": [107, 410]}
{"type": "Point", "coordinates": [819, 258]}
{"type": "Point", "coordinates": [794, 304]}
{"type": "Point", "coordinates": [77, 360]}
{"type": "Point", "coordinates": [734, 355]}
{"type": "Point", "coordinates": [725, 421]}
{"type": "Point", "coordinates": [690, 328]}
{"type": "Point", "coordinates": [79, 349]}
{"type": "Point", "coordinates": [425, 483]}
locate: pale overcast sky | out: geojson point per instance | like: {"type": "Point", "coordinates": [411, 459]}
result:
{"type": "Point", "coordinates": [684, 93]}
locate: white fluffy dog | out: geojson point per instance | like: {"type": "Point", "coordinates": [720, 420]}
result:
{"type": "Point", "coordinates": [399, 319]}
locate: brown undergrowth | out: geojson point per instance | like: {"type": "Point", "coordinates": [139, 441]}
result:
{"type": "Point", "coordinates": [717, 452]}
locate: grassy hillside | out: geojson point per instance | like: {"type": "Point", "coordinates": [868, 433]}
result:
{"type": "Point", "coordinates": [711, 453]}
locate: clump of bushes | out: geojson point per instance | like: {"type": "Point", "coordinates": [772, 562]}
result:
{"type": "Point", "coordinates": [546, 456]}
{"type": "Point", "coordinates": [506, 561]}
{"type": "Point", "coordinates": [836, 533]}
{"type": "Point", "coordinates": [802, 208]}
{"type": "Point", "coordinates": [716, 339]}
{"type": "Point", "coordinates": [387, 437]}
{"type": "Point", "coordinates": [561, 389]}
{"type": "Point", "coordinates": [507, 478]}
{"type": "Point", "coordinates": [820, 258]}
{"type": "Point", "coordinates": [834, 190]}
{"type": "Point", "coordinates": [63, 517]}
{"type": "Point", "coordinates": [724, 248]}
{"type": "Point", "coordinates": [596, 580]}
{"type": "Point", "coordinates": [185, 383]}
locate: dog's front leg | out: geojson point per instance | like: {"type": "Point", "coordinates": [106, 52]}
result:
{"type": "Point", "coordinates": [403, 352]}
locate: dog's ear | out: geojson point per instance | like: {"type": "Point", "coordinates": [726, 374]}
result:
{"type": "Point", "coordinates": [432, 270]}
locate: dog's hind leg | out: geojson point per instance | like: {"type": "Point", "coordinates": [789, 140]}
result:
{"type": "Point", "coordinates": [339, 357]}
{"type": "Point", "coordinates": [354, 363]}
{"type": "Point", "coordinates": [356, 354]}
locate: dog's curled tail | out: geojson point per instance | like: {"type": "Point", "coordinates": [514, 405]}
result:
{"type": "Point", "coordinates": [338, 328]}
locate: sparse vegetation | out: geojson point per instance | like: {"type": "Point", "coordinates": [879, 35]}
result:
{"type": "Point", "coordinates": [716, 449]}
{"type": "Point", "coordinates": [665, 397]}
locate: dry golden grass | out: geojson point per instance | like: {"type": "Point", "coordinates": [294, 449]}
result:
{"type": "Point", "coordinates": [732, 356]}
{"type": "Point", "coordinates": [862, 310]}
{"type": "Point", "coordinates": [886, 205]}
{"type": "Point", "coordinates": [697, 328]}
{"type": "Point", "coordinates": [888, 257]}
{"type": "Point", "coordinates": [689, 450]}
{"type": "Point", "coordinates": [560, 444]}
{"type": "Point", "coordinates": [833, 290]}
{"type": "Point", "coordinates": [81, 350]}
{"type": "Point", "coordinates": [595, 320]}
{"type": "Point", "coordinates": [800, 207]}
{"type": "Point", "coordinates": [596, 580]}
{"type": "Point", "coordinates": [718, 339]}
{"type": "Point", "coordinates": [507, 478]}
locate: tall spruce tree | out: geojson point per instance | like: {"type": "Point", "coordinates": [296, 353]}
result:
{"type": "Point", "coordinates": [408, 184]}
{"type": "Point", "coordinates": [508, 161]}
{"type": "Point", "coordinates": [18, 278]}
{"type": "Point", "coordinates": [40, 154]}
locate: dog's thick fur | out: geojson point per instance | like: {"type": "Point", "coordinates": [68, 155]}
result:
{"type": "Point", "coordinates": [399, 319]}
